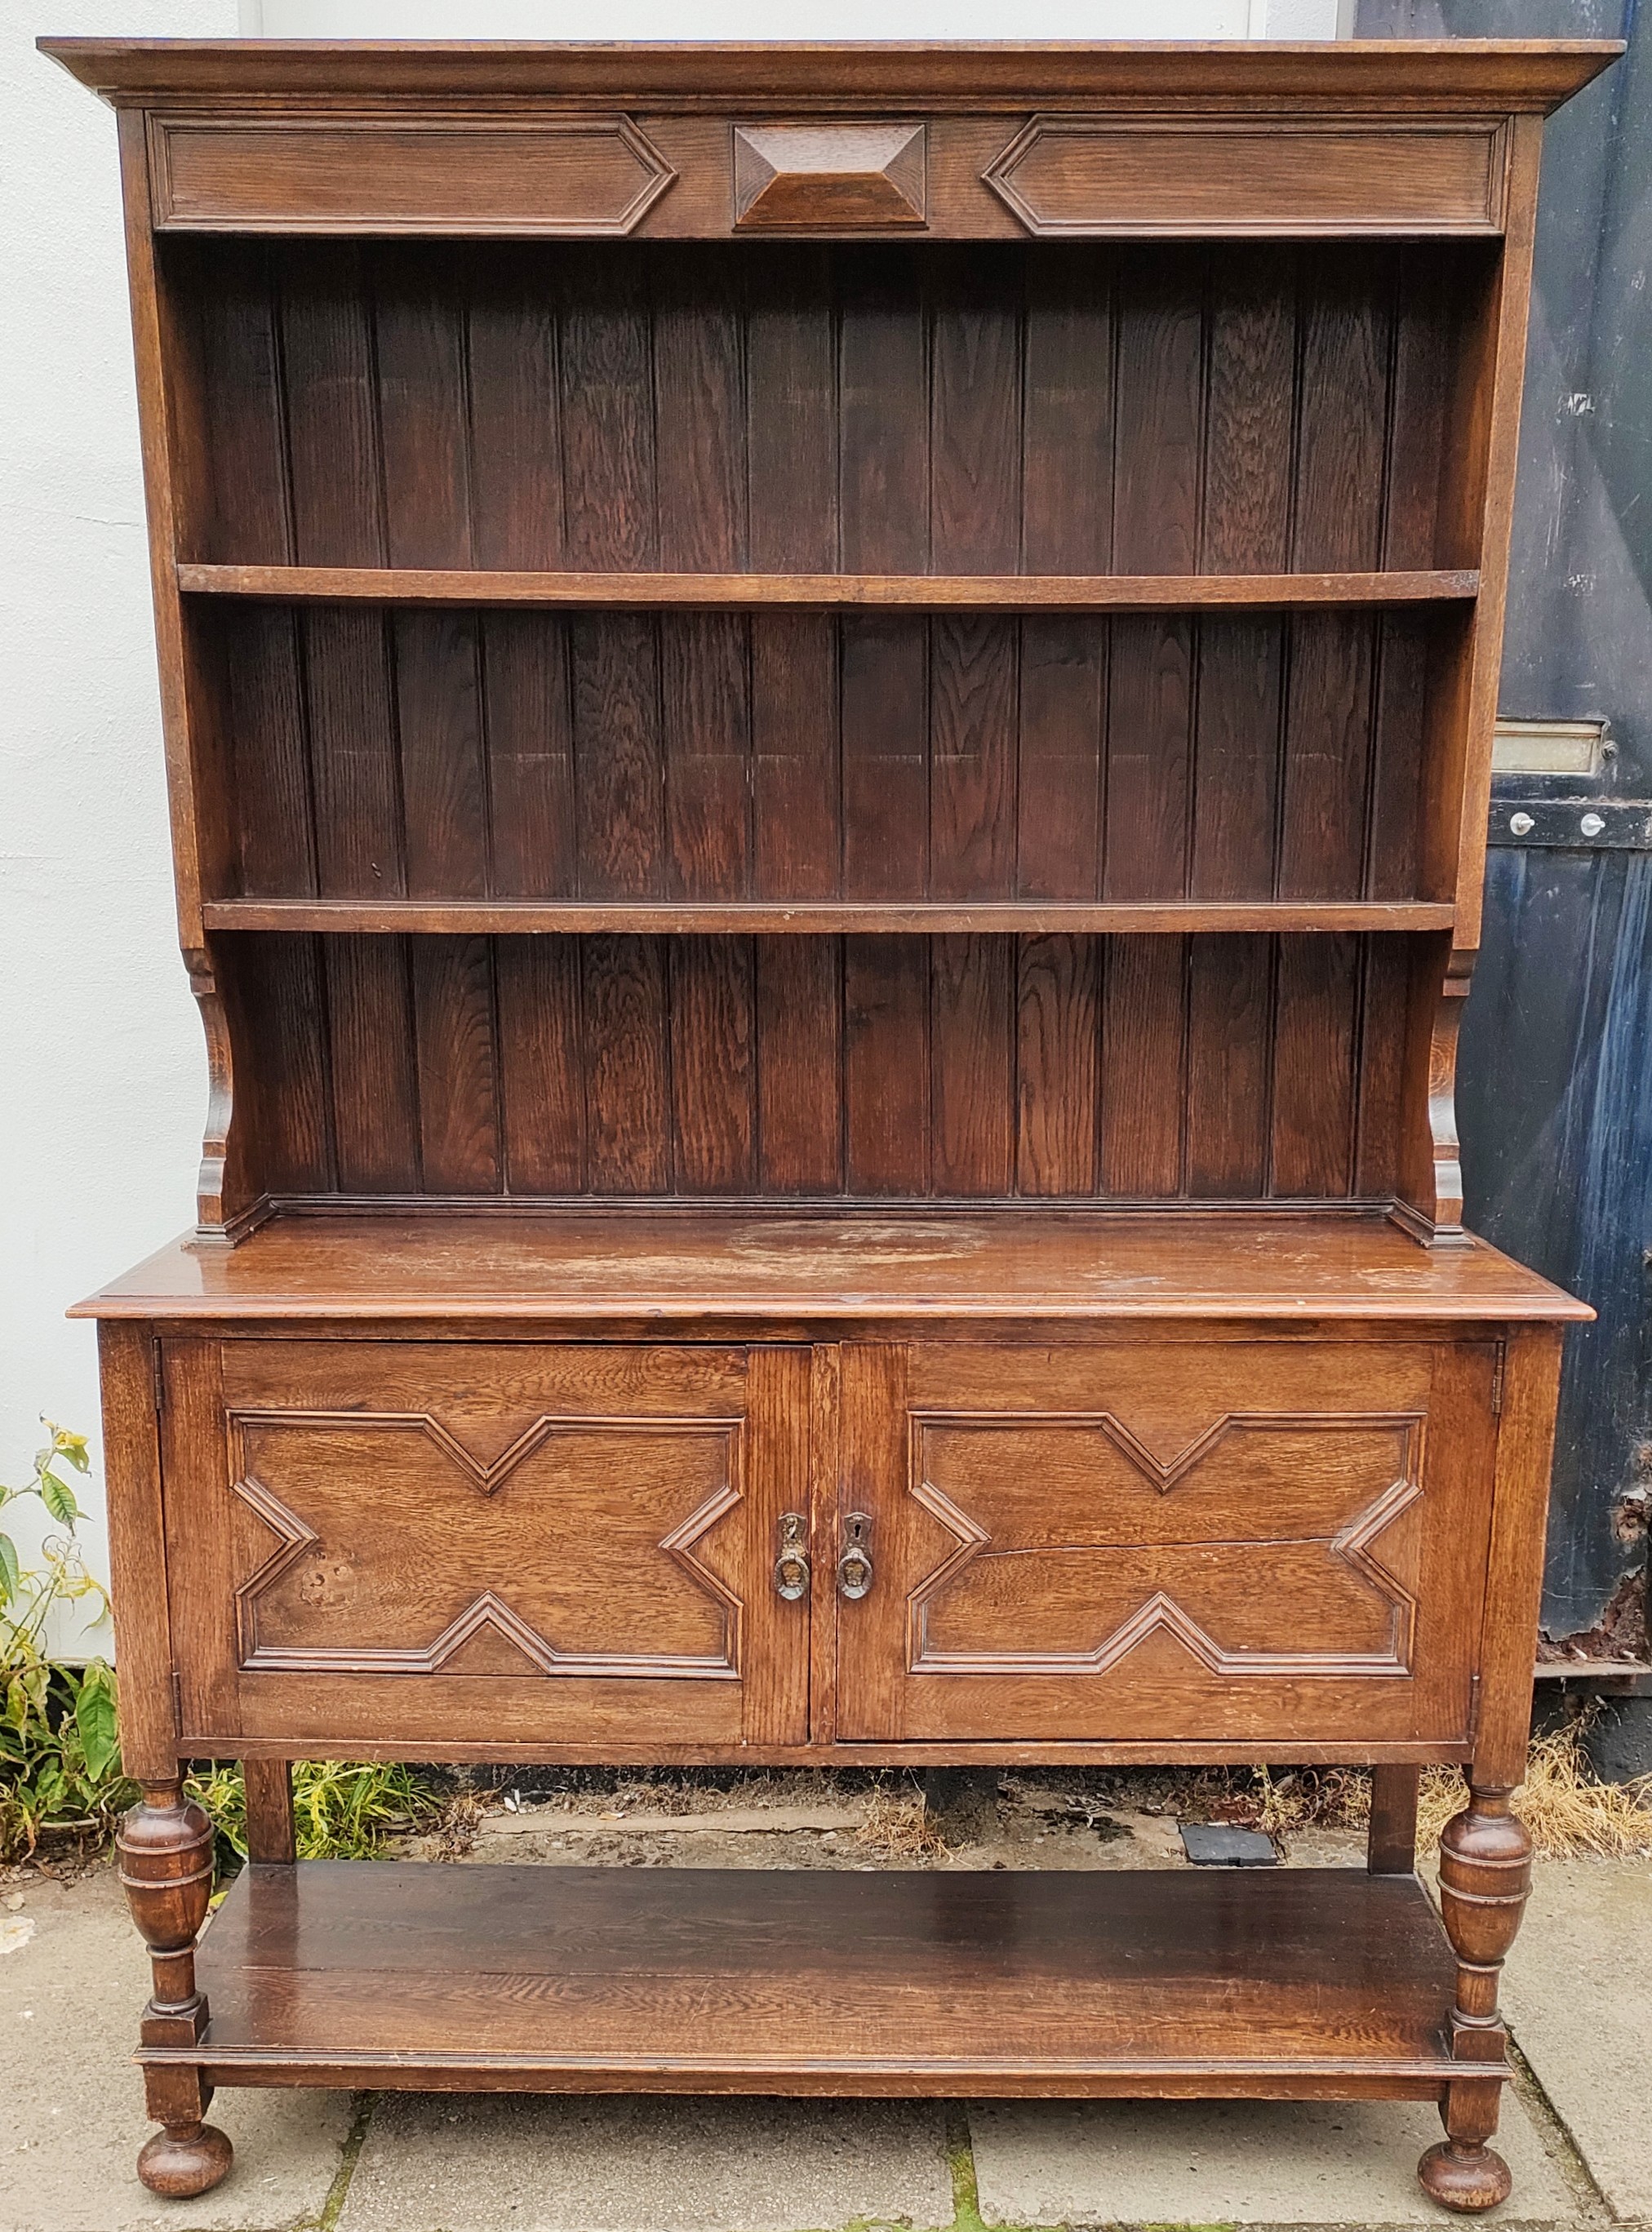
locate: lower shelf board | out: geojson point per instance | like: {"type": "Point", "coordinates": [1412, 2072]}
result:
{"type": "Point", "coordinates": [1294, 1984]}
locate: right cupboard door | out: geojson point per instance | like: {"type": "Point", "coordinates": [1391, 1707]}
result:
{"type": "Point", "coordinates": [1235, 1543]}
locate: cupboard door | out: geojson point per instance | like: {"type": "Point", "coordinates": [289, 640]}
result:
{"type": "Point", "coordinates": [465, 1548]}
{"type": "Point", "coordinates": [1228, 1543]}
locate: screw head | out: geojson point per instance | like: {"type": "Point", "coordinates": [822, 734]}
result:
{"type": "Point", "coordinates": [1521, 825]}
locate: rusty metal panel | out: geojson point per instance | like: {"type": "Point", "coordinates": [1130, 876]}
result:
{"type": "Point", "coordinates": [1555, 1081]}
{"type": "Point", "coordinates": [1555, 1101]}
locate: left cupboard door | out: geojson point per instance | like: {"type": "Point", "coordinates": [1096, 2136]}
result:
{"type": "Point", "coordinates": [448, 1549]}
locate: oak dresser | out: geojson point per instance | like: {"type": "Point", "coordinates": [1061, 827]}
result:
{"type": "Point", "coordinates": [829, 717]}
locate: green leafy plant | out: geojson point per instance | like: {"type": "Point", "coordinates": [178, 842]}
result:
{"type": "Point", "coordinates": [60, 1746]}
{"type": "Point", "coordinates": [342, 1810]}
{"type": "Point", "coordinates": [60, 1743]}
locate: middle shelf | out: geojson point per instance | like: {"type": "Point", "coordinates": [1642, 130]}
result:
{"type": "Point", "coordinates": [503, 918]}
{"type": "Point", "coordinates": [744, 591]}
{"type": "Point", "coordinates": [468, 767]}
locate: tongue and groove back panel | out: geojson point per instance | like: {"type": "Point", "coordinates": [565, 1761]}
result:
{"type": "Point", "coordinates": [1214, 1067]}
{"type": "Point", "coordinates": [1133, 408]}
{"type": "Point", "coordinates": [452, 754]}
{"type": "Point", "coordinates": [1055, 407]}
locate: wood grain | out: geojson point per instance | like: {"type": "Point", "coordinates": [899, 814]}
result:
{"type": "Point", "coordinates": [1183, 1059]}
{"type": "Point", "coordinates": [128, 1362]}
{"type": "Point", "coordinates": [1036, 1263]}
{"type": "Point", "coordinates": [953, 1970]}
{"type": "Point", "coordinates": [465, 754]}
{"type": "Point", "coordinates": [1529, 76]}
{"type": "Point", "coordinates": [831, 882]}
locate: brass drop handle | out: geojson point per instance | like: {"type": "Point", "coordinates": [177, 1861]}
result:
{"type": "Point", "coordinates": [854, 1565]}
{"type": "Point", "coordinates": [791, 1566]}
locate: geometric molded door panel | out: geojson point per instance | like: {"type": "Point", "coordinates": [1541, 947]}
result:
{"type": "Point", "coordinates": [1270, 1545]}
{"type": "Point", "coordinates": [588, 1546]}
{"type": "Point", "coordinates": [1240, 1544]}
{"type": "Point", "coordinates": [485, 1549]}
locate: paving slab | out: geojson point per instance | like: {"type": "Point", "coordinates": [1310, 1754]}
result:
{"type": "Point", "coordinates": [74, 2115]}
{"type": "Point", "coordinates": [1235, 2161]}
{"type": "Point", "coordinates": [634, 2164]}
{"type": "Point", "coordinates": [1578, 1993]}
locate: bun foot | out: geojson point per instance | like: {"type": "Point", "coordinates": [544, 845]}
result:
{"type": "Point", "coordinates": [184, 2160]}
{"type": "Point", "coordinates": [1467, 2179]}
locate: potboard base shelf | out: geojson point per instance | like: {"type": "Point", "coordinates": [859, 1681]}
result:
{"type": "Point", "coordinates": [1331, 1984]}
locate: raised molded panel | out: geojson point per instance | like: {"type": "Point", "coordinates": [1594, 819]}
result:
{"type": "Point", "coordinates": [588, 1546]}
{"type": "Point", "coordinates": [828, 178]}
{"type": "Point", "coordinates": [1269, 1545]}
{"type": "Point", "coordinates": [1190, 1539]}
{"type": "Point", "coordinates": [1083, 175]}
{"type": "Point", "coordinates": [484, 1548]}
{"type": "Point", "coordinates": [574, 176]}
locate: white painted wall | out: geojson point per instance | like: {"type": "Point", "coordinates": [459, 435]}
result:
{"type": "Point", "coordinates": [103, 1084]}
{"type": "Point", "coordinates": [798, 19]}
{"type": "Point", "coordinates": [101, 1069]}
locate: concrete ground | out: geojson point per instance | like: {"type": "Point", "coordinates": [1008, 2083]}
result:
{"type": "Point", "coordinates": [1578, 2129]}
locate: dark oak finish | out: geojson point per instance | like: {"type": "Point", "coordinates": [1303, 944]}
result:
{"type": "Point", "coordinates": [828, 178]}
{"type": "Point", "coordinates": [271, 1838]}
{"type": "Point", "coordinates": [1098, 1542]}
{"type": "Point", "coordinates": [593, 1979]}
{"type": "Point", "coordinates": [1035, 593]}
{"type": "Point", "coordinates": [778, 1266]}
{"type": "Point", "coordinates": [1518, 77]}
{"type": "Point", "coordinates": [829, 712]}
{"type": "Point", "coordinates": [1066, 174]}
{"type": "Point", "coordinates": [1391, 1845]}
{"type": "Point", "coordinates": [569, 177]}
{"type": "Point", "coordinates": [164, 1852]}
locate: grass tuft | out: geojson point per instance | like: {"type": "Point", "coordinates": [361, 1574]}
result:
{"type": "Point", "coordinates": [899, 1826]}
{"type": "Point", "coordinates": [1568, 1812]}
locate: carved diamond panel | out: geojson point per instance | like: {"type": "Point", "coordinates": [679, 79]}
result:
{"type": "Point", "coordinates": [1252, 1550]}
{"type": "Point", "coordinates": [827, 176]}
{"type": "Point", "coordinates": [596, 1540]}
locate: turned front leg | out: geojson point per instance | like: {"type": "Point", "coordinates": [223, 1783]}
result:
{"type": "Point", "coordinates": [1484, 1876]}
{"type": "Point", "coordinates": [165, 1847]}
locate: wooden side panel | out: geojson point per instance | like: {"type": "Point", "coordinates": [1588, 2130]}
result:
{"type": "Point", "coordinates": [1148, 1068]}
{"type": "Point", "coordinates": [128, 1361]}
{"type": "Point", "coordinates": [1531, 1368]}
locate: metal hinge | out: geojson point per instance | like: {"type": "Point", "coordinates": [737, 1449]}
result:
{"type": "Point", "coordinates": [1496, 1378]}
{"type": "Point", "coordinates": [160, 1360]}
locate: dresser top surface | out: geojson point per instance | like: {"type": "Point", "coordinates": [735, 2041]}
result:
{"type": "Point", "coordinates": [684, 1264]}
{"type": "Point", "coordinates": [1496, 74]}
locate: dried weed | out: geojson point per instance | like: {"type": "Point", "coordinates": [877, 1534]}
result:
{"type": "Point", "coordinates": [1568, 1812]}
{"type": "Point", "coordinates": [899, 1826]}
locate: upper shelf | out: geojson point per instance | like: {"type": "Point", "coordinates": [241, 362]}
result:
{"type": "Point", "coordinates": [1017, 593]}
